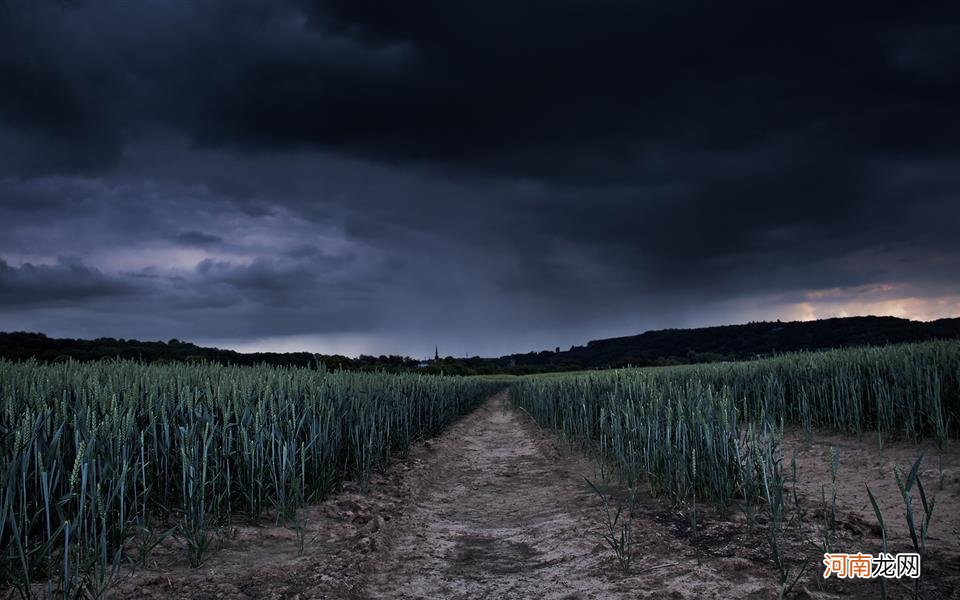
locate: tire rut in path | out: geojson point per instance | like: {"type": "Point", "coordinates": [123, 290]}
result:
{"type": "Point", "coordinates": [505, 514]}
{"type": "Point", "coordinates": [501, 518]}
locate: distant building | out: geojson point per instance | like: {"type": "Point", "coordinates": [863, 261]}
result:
{"type": "Point", "coordinates": [423, 364]}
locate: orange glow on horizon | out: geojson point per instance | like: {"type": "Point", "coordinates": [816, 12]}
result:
{"type": "Point", "coordinates": [908, 307]}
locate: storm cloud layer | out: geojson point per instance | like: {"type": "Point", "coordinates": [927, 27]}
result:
{"type": "Point", "coordinates": [364, 176]}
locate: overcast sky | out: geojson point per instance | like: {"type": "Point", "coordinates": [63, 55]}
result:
{"type": "Point", "coordinates": [367, 176]}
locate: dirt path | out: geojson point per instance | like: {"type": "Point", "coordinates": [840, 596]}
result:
{"type": "Point", "coordinates": [501, 520]}
{"type": "Point", "coordinates": [508, 515]}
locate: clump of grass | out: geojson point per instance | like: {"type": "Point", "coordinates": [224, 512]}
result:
{"type": "Point", "coordinates": [829, 511]}
{"type": "Point", "coordinates": [767, 461]}
{"type": "Point", "coordinates": [146, 539]}
{"type": "Point", "coordinates": [694, 523]}
{"type": "Point", "coordinates": [619, 533]}
{"type": "Point", "coordinates": [918, 535]}
{"type": "Point", "coordinates": [883, 534]}
{"type": "Point", "coordinates": [299, 525]}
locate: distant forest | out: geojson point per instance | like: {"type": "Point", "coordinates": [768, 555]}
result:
{"type": "Point", "coordinates": [653, 348]}
{"type": "Point", "coordinates": [739, 342]}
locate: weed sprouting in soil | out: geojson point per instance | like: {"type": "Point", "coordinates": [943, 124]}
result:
{"type": "Point", "coordinates": [619, 527]}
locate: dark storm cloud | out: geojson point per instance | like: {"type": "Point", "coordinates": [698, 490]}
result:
{"type": "Point", "coordinates": [66, 282]}
{"type": "Point", "coordinates": [526, 170]}
{"type": "Point", "coordinates": [198, 238]}
{"type": "Point", "coordinates": [575, 89]}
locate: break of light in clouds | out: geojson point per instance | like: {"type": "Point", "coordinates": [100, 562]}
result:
{"type": "Point", "coordinates": [896, 304]}
{"type": "Point", "coordinates": [356, 177]}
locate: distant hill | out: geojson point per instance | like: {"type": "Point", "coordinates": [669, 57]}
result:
{"type": "Point", "coordinates": [661, 347]}
{"type": "Point", "coordinates": [739, 342]}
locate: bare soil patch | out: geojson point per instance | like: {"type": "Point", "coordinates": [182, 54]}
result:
{"type": "Point", "coordinates": [864, 461]}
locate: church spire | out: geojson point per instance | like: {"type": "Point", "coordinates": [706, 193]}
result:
{"type": "Point", "coordinates": [436, 353]}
